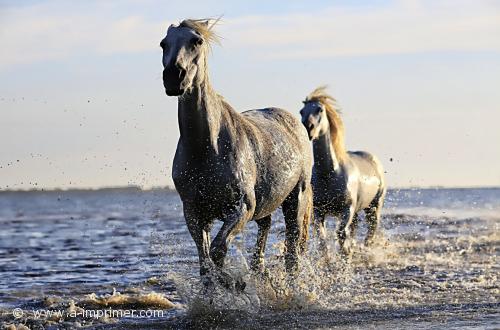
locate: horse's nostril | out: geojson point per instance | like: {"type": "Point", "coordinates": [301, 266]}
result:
{"type": "Point", "coordinates": [182, 73]}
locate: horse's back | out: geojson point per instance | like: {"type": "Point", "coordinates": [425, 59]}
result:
{"type": "Point", "coordinates": [281, 153]}
{"type": "Point", "coordinates": [367, 162]}
{"type": "Point", "coordinates": [274, 127]}
{"type": "Point", "coordinates": [275, 118]}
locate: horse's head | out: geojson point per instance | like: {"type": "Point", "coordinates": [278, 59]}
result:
{"type": "Point", "coordinates": [314, 118]}
{"type": "Point", "coordinates": [184, 49]}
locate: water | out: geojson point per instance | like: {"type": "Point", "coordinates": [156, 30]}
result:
{"type": "Point", "coordinates": [434, 265]}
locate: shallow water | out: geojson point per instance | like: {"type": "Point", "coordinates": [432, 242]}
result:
{"type": "Point", "coordinates": [434, 265]}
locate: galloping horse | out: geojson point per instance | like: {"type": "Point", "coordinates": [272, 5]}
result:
{"type": "Point", "coordinates": [232, 166]}
{"type": "Point", "coordinates": [344, 183]}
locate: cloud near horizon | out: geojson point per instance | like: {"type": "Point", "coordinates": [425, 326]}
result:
{"type": "Point", "coordinates": [41, 32]}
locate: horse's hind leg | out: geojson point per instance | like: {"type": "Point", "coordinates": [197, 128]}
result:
{"type": "Point", "coordinates": [295, 207]}
{"type": "Point", "coordinates": [264, 224]}
{"type": "Point", "coordinates": [373, 217]}
{"type": "Point", "coordinates": [320, 230]}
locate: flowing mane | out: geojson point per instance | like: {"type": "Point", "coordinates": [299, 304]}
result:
{"type": "Point", "coordinates": [204, 27]}
{"type": "Point", "coordinates": [334, 120]}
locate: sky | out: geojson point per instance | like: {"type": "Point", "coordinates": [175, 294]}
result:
{"type": "Point", "coordinates": [82, 103]}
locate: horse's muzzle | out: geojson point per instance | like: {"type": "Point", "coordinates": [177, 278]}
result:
{"type": "Point", "coordinates": [174, 92]}
{"type": "Point", "coordinates": [173, 76]}
{"type": "Point", "coordinates": [309, 128]}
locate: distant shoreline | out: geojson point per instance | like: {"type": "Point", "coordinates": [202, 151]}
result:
{"type": "Point", "coordinates": [83, 190]}
{"type": "Point", "coordinates": [168, 189]}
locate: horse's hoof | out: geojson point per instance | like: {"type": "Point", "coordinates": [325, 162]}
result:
{"type": "Point", "coordinates": [221, 278]}
{"type": "Point", "coordinates": [369, 242]}
{"type": "Point", "coordinates": [208, 284]}
{"type": "Point", "coordinates": [237, 285]}
{"type": "Point", "coordinates": [346, 255]}
{"type": "Point", "coordinates": [346, 258]}
{"type": "Point", "coordinates": [262, 274]}
{"type": "Point", "coordinates": [326, 261]}
{"type": "Point", "coordinates": [231, 284]}
{"type": "Point", "coordinates": [258, 268]}
{"type": "Point", "coordinates": [227, 281]}
{"type": "Point", "coordinates": [240, 285]}
{"type": "Point", "coordinates": [346, 250]}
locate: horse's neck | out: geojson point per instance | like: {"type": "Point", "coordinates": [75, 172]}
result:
{"type": "Point", "coordinates": [200, 117]}
{"type": "Point", "coordinates": [325, 160]}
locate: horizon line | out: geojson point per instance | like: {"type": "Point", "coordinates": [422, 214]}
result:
{"type": "Point", "coordinates": [173, 189]}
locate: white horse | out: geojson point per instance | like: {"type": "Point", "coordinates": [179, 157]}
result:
{"type": "Point", "coordinates": [344, 183]}
{"type": "Point", "coordinates": [232, 166]}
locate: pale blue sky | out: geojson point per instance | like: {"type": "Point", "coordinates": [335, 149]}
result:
{"type": "Point", "coordinates": [82, 102]}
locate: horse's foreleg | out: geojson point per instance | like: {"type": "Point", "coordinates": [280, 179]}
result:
{"type": "Point", "coordinates": [320, 230]}
{"type": "Point", "coordinates": [354, 226]}
{"type": "Point", "coordinates": [264, 224]}
{"type": "Point", "coordinates": [343, 233]}
{"type": "Point", "coordinates": [233, 223]}
{"type": "Point", "coordinates": [199, 228]}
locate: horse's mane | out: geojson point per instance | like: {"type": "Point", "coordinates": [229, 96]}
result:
{"type": "Point", "coordinates": [332, 113]}
{"type": "Point", "coordinates": [204, 27]}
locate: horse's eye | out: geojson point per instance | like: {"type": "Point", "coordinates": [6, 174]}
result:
{"type": "Point", "coordinates": [320, 109]}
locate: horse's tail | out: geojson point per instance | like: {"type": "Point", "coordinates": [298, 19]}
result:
{"type": "Point", "coordinates": [308, 214]}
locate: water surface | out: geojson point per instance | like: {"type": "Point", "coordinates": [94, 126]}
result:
{"type": "Point", "coordinates": [434, 265]}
